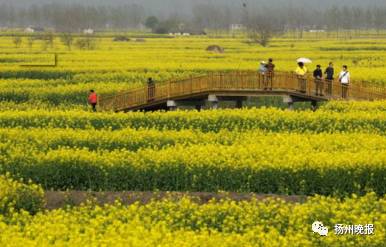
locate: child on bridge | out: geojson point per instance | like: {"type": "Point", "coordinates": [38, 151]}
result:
{"type": "Point", "coordinates": [93, 100]}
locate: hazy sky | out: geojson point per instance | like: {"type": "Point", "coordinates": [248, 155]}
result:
{"type": "Point", "coordinates": [184, 6]}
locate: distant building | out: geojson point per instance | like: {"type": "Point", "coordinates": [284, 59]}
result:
{"type": "Point", "coordinates": [88, 31]}
{"type": "Point", "coordinates": [317, 31]}
{"type": "Point", "coordinates": [34, 30]}
{"type": "Point", "coordinates": [141, 27]}
{"type": "Point", "coordinates": [29, 30]}
{"type": "Point", "coordinates": [236, 27]}
{"type": "Point", "coordinates": [187, 32]}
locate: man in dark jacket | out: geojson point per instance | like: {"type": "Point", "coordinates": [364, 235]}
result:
{"type": "Point", "coordinates": [318, 75]}
{"type": "Point", "coordinates": [329, 77]}
{"type": "Point", "coordinates": [270, 66]}
{"type": "Point", "coordinates": [150, 90]}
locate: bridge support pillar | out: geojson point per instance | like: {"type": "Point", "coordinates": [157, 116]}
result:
{"type": "Point", "coordinates": [290, 102]}
{"type": "Point", "coordinates": [214, 105]}
{"type": "Point", "coordinates": [172, 105]}
{"type": "Point", "coordinates": [314, 105]}
{"type": "Point", "coordinates": [239, 104]}
{"type": "Point", "coordinates": [291, 106]}
{"type": "Point", "coordinates": [213, 100]}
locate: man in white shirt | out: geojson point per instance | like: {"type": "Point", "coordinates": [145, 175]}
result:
{"type": "Point", "coordinates": [344, 79]}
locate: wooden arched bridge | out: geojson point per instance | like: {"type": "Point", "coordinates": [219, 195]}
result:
{"type": "Point", "coordinates": [236, 86]}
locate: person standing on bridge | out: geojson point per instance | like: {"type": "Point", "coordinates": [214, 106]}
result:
{"type": "Point", "coordinates": [263, 68]}
{"type": "Point", "coordinates": [301, 72]}
{"type": "Point", "coordinates": [318, 76]}
{"type": "Point", "coordinates": [344, 79]}
{"type": "Point", "coordinates": [93, 100]}
{"type": "Point", "coordinates": [150, 89]}
{"type": "Point", "coordinates": [263, 74]}
{"type": "Point", "coordinates": [329, 77]}
{"type": "Point", "coordinates": [270, 74]}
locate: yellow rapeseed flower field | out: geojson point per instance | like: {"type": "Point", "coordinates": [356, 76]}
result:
{"type": "Point", "coordinates": [118, 66]}
{"type": "Point", "coordinates": [334, 157]}
{"type": "Point", "coordinates": [186, 223]}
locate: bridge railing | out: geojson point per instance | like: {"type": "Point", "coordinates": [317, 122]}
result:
{"type": "Point", "coordinates": [238, 81]}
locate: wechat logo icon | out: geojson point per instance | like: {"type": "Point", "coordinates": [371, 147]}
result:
{"type": "Point", "coordinates": [318, 227]}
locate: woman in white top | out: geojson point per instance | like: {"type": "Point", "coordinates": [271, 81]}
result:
{"type": "Point", "coordinates": [263, 67]}
{"type": "Point", "coordinates": [344, 79]}
{"type": "Point", "coordinates": [263, 73]}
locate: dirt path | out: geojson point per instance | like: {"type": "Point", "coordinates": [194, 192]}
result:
{"type": "Point", "coordinates": [57, 199]}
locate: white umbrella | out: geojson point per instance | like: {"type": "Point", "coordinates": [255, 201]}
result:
{"type": "Point", "coordinates": [304, 60]}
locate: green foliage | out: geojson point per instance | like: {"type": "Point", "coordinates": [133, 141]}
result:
{"type": "Point", "coordinates": [17, 41]}
{"type": "Point", "coordinates": [87, 43]}
{"type": "Point", "coordinates": [17, 196]}
{"type": "Point", "coordinates": [67, 39]}
{"type": "Point", "coordinates": [121, 38]}
{"type": "Point", "coordinates": [151, 22]}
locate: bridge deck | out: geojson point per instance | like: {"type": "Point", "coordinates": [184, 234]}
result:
{"type": "Point", "coordinates": [233, 85]}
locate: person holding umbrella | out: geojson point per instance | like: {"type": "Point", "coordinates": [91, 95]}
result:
{"type": "Point", "coordinates": [301, 72]}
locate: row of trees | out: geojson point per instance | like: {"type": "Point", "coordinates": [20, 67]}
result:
{"type": "Point", "coordinates": [47, 41]}
{"type": "Point", "coordinates": [73, 17]}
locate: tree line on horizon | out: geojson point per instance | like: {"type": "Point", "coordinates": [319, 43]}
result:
{"type": "Point", "coordinates": [75, 17]}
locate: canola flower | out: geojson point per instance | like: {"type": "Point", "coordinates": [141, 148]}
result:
{"type": "Point", "coordinates": [274, 120]}
{"type": "Point", "coordinates": [48, 137]}
{"type": "Point", "coordinates": [276, 163]}
{"type": "Point", "coordinates": [130, 63]}
{"type": "Point", "coordinates": [16, 196]}
{"type": "Point", "coordinates": [187, 223]}
{"type": "Point", "coordinates": [135, 139]}
{"type": "Point", "coordinates": [259, 150]}
{"type": "Point", "coordinates": [358, 106]}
